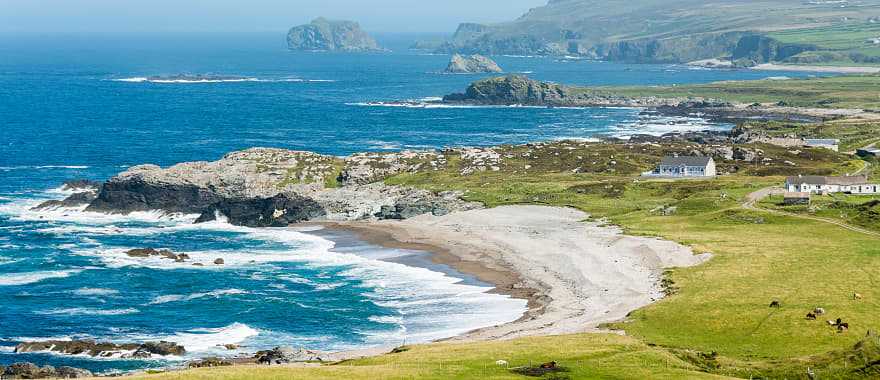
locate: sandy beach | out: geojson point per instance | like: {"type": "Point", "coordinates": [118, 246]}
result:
{"type": "Point", "coordinates": [576, 274]}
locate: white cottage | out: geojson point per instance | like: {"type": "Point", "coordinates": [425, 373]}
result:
{"type": "Point", "coordinates": [829, 185]}
{"type": "Point", "coordinates": [685, 167]}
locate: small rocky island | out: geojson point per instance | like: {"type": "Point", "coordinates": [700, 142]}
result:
{"type": "Point", "coordinates": [331, 35]}
{"type": "Point", "coordinates": [473, 64]}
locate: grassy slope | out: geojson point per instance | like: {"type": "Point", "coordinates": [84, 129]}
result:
{"type": "Point", "coordinates": [851, 91]}
{"type": "Point", "coordinates": [617, 20]}
{"type": "Point", "coordinates": [586, 356]}
{"type": "Point", "coordinates": [842, 39]}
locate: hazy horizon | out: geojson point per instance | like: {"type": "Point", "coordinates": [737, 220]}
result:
{"type": "Point", "coordinates": [162, 16]}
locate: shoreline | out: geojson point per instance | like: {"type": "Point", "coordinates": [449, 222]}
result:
{"type": "Point", "coordinates": [576, 275]}
{"type": "Point", "coordinates": [818, 69]}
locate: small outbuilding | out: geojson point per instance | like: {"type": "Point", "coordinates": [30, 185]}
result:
{"type": "Point", "coordinates": [869, 152]}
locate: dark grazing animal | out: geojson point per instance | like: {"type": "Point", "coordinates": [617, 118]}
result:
{"type": "Point", "coordinates": [775, 304]}
{"type": "Point", "coordinates": [841, 327]}
{"type": "Point", "coordinates": [811, 317]}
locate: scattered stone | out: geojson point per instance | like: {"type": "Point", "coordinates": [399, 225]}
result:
{"type": "Point", "coordinates": [151, 252]}
{"type": "Point", "coordinates": [103, 349]}
{"type": "Point", "coordinates": [219, 262]}
{"type": "Point", "coordinates": [209, 362]}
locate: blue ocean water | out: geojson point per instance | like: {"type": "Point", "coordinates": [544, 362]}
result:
{"type": "Point", "coordinates": [81, 107]}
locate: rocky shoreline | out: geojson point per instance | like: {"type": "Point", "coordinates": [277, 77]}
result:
{"type": "Point", "coordinates": [519, 90]}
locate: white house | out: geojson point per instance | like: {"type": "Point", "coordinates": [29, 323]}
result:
{"type": "Point", "coordinates": [828, 185]}
{"type": "Point", "coordinates": [832, 144]}
{"type": "Point", "coordinates": [685, 167]}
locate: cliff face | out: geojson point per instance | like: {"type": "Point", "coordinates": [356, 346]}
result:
{"type": "Point", "coordinates": [643, 31]}
{"type": "Point", "coordinates": [472, 64]}
{"type": "Point", "coordinates": [327, 35]}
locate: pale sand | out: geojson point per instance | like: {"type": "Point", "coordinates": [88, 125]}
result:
{"type": "Point", "coordinates": [819, 69]}
{"type": "Point", "coordinates": [576, 274]}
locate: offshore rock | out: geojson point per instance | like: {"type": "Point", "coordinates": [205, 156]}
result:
{"type": "Point", "coordinates": [331, 35]}
{"type": "Point", "coordinates": [473, 64]}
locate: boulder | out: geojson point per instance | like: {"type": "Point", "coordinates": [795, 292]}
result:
{"type": "Point", "coordinates": [28, 371]}
{"type": "Point", "coordinates": [219, 262]}
{"type": "Point", "coordinates": [286, 355]}
{"type": "Point", "coordinates": [164, 253]}
{"type": "Point", "coordinates": [72, 373]}
{"type": "Point", "coordinates": [102, 349]}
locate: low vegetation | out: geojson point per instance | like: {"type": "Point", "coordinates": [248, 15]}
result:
{"type": "Point", "coordinates": [850, 91]}
{"type": "Point", "coordinates": [856, 43]}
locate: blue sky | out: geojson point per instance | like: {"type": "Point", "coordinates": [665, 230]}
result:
{"type": "Point", "coordinates": [140, 16]}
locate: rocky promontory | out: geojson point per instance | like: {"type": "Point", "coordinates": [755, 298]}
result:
{"type": "Point", "coordinates": [265, 187]}
{"type": "Point", "coordinates": [331, 35]}
{"type": "Point", "coordinates": [473, 64]}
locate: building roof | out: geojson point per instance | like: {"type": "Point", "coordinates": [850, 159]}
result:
{"type": "Point", "coordinates": [820, 180]}
{"type": "Point", "coordinates": [686, 161]}
{"type": "Point", "coordinates": [822, 141]}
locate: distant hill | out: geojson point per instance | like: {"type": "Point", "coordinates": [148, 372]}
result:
{"type": "Point", "coordinates": [662, 30]}
{"type": "Point", "coordinates": [331, 35]}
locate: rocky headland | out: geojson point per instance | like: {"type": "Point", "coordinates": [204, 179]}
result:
{"type": "Point", "coordinates": [264, 187]}
{"type": "Point", "coordinates": [331, 35]}
{"type": "Point", "coordinates": [473, 64]}
{"type": "Point", "coordinates": [521, 91]}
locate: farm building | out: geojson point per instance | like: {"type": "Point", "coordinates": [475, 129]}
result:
{"type": "Point", "coordinates": [829, 185]}
{"type": "Point", "coordinates": [685, 167]}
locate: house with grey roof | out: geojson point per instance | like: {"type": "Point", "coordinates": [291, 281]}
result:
{"type": "Point", "coordinates": [684, 167]}
{"type": "Point", "coordinates": [829, 185]}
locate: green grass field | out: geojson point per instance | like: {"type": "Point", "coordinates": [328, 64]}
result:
{"type": "Point", "coordinates": [838, 44]}
{"type": "Point", "coordinates": [851, 91]}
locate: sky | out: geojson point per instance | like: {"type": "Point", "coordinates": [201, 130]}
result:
{"type": "Point", "coordinates": [146, 16]}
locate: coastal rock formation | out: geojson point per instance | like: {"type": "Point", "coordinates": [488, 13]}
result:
{"type": "Point", "coordinates": [84, 192]}
{"type": "Point", "coordinates": [264, 187]}
{"type": "Point", "coordinates": [520, 90]}
{"type": "Point", "coordinates": [473, 64]}
{"type": "Point", "coordinates": [331, 35]}
{"type": "Point", "coordinates": [32, 371]}
{"type": "Point", "coordinates": [287, 355]}
{"type": "Point", "coordinates": [103, 349]}
{"type": "Point", "coordinates": [150, 252]}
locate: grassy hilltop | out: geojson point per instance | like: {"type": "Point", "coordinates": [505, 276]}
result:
{"type": "Point", "coordinates": [674, 31]}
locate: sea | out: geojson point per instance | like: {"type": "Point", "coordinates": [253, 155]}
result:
{"type": "Point", "coordinates": [89, 106]}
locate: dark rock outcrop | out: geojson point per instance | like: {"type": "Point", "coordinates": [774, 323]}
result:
{"type": "Point", "coordinates": [473, 64]}
{"type": "Point", "coordinates": [32, 371]}
{"type": "Point", "coordinates": [278, 211]}
{"type": "Point", "coordinates": [103, 349]}
{"type": "Point", "coordinates": [75, 200]}
{"type": "Point", "coordinates": [330, 35]}
{"type": "Point", "coordinates": [150, 252]}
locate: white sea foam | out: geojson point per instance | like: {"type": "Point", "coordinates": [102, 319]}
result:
{"type": "Point", "coordinates": [201, 340]}
{"type": "Point", "coordinates": [7, 349]}
{"type": "Point", "coordinates": [180, 297]}
{"type": "Point", "coordinates": [95, 292]}
{"type": "Point", "coordinates": [15, 279]}
{"type": "Point", "coordinates": [658, 125]}
{"type": "Point", "coordinates": [88, 311]}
